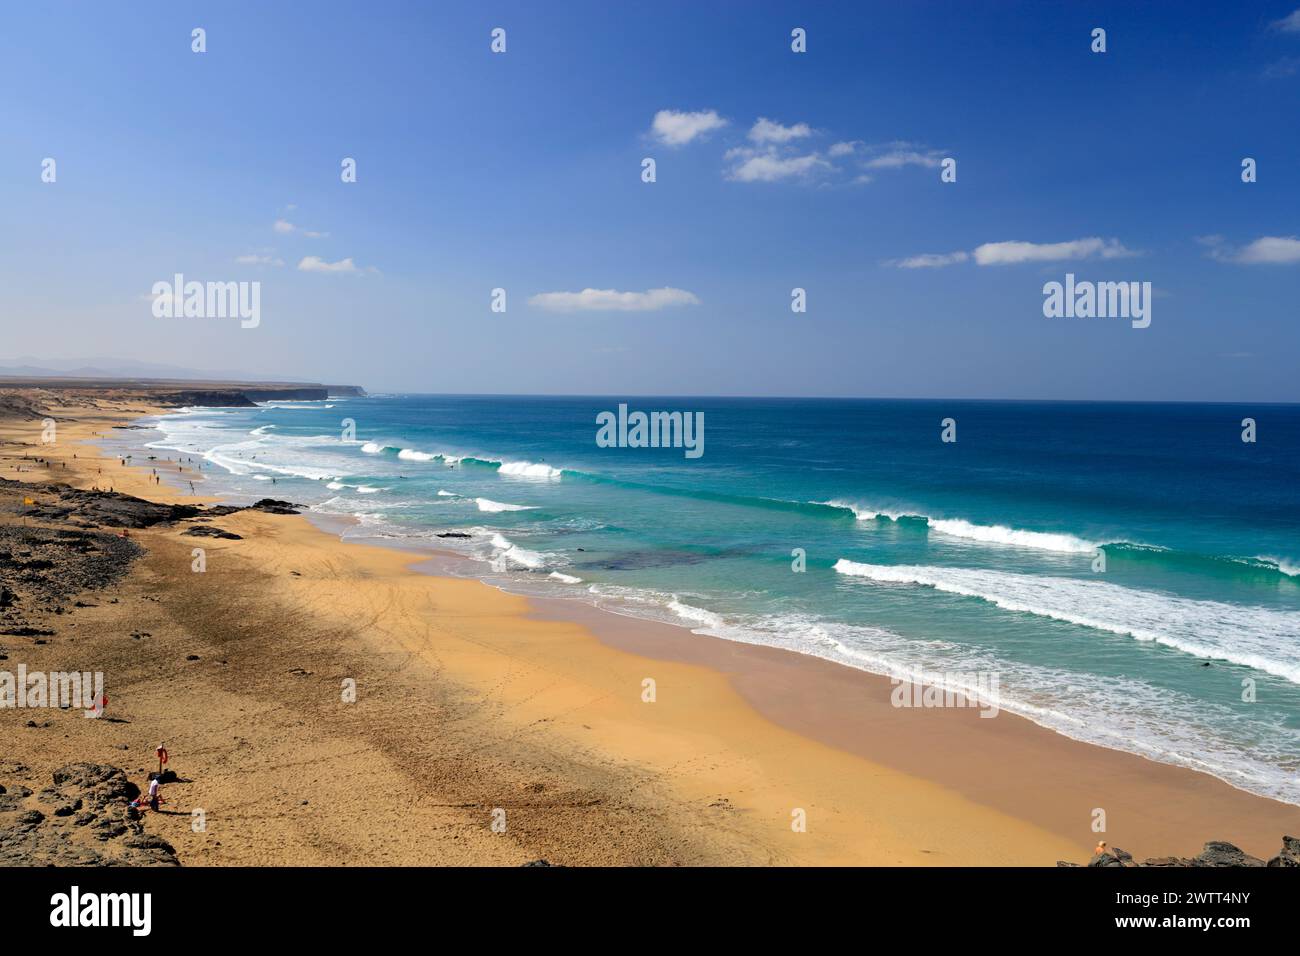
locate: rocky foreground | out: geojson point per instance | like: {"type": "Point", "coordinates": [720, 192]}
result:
{"type": "Point", "coordinates": [1215, 854]}
{"type": "Point", "coordinates": [83, 819]}
{"type": "Point", "coordinates": [61, 547]}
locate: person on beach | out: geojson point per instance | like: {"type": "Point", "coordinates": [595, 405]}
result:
{"type": "Point", "coordinates": [153, 794]}
{"type": "Point", "coordinates": [1101, 849]}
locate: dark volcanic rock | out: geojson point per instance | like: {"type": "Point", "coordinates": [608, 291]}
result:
{"type": "Point", "coordinates": [208, 531]}
{"type": "Point", "coordinates": [109, 508]}
{"type": "Point", "coordinates": [1224, 854]}
{"type": "Point", "coordinates": [45, 564]}
{"type": "Point", "coordinates": [29, 818]}
{"type": "Point", "coordinates": [205, 398]}
{"type": "Point", "coordinates": [270, 505]}
{"type": "Point", "coordinates": [106, 833]}
{"type": "Point", "coordinates": [1290, 853]}
{"type": "Point", "coordinates": [274, 507]}
{"type": "Point", "coordinates": [1215, 854]}
{"type": "Point", "coordinates": [41, 566]}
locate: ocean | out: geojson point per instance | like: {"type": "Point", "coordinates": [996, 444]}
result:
{"type": "Point", "coordinates": [1129, 572]}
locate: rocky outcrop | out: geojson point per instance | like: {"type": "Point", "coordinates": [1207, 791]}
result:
{"type": "Point", "coordinates": [30, 397]}
{"type": "Point", "coordinates": [271, 506]}
{"type": "Point", "coordinates": [112, 509]}
{"type": "Point", "coordinates": [84, 819]}
{"type": "Point", "coordinates": [1289, 854]}
{"type": "Point", "coordinates": [109, 508]}
{"type": "Point", "coordinates": [1215, 854]}
{"type": "Point", "coordinates": [209, 531]}
{"type": "Point", "coordinates": [44, 566]}
{"type": "Point", "coordinates": [240, 397]}
{"type": "Point", "coordinates": [64, 546]}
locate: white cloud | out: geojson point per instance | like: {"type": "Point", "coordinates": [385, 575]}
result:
{"type": "Point", "coordinates": [930, 260]}
{"type": "Point", "coordinates": [1267, 250]}
{"type": "Point", "coordinates": [777, 154]}
{"type": "Point", "coordinates": [317, 264]}
{"type": "Point", "coordinates": [752, 166]}
{"type": "Point", "coordinates": [1289, 23]}
{"type": "Point", "coordinates": [284, 227]}
{"type": "Point", "coordinates": [611, 300]}
{"type": "Point", "coordinates": [673, 128]}
{"type": "Point", "coordinates": [769, 131]}
{"type": "Point", "coordinates": [898, 155]}
{"type": "Point", "coordinates": [259, 259]}
{"type": "Point", "coordinates": [1009, 253]}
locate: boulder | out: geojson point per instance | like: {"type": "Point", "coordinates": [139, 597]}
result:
{"type": "Point", "coordinates": [1289, 855]}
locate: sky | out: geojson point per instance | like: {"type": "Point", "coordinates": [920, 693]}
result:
{"type": "Point", "coordinates": [775, 170]}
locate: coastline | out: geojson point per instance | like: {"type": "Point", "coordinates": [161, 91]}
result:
{"type": "Point", "coordinates": [739, 735]}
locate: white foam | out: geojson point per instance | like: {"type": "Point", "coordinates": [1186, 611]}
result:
{"type": "Point", "coordinates": [487, 504]}
{"type": "Point", "coordinates": [1288, 567]}
{"type": "Point", "coordinates": [566, 578]}
{"type": "Point", "coordinates": [509, 553]}
{"type": "Point", "coordinates": [410, 454]}
{"type": "Point", "coordinates": [526, 469]}
{"type": "Point", "coordinates": [861, 512]}
{"type": "Point", "coordinates": [696, 615]}
{"type": "Point", "coordinates": [1256, 637]}
{"type": "Point", "coordinates": [372, 448]}
{"type": "Point", "coordinates": [1012, 537]}
{"type": "Point", "coordinates": [985, 534]}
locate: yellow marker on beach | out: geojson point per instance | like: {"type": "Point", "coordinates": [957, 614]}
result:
{"type": "Point", "coordinates": [28, 501]}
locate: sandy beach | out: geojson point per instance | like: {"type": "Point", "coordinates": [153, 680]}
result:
{"type": "Point", "coordinates": [470, 701]}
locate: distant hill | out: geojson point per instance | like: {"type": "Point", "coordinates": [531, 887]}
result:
{"type": "Point", "coordinates": [28, 367]}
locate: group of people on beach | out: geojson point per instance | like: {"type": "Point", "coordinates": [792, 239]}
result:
{"type": "Point", "coordinates": [154, 798]}
{"type": "Point", "coordinates": [43, 462]}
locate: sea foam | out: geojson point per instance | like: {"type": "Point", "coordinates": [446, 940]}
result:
{"type": "Point", "coordinates": [1250, 636]}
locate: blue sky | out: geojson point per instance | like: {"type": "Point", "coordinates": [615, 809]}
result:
{"type": "Point", "coordinates": [522, 171]}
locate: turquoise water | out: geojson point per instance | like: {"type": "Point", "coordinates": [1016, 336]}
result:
{"type": "Point", "coordinates": [975, 556]}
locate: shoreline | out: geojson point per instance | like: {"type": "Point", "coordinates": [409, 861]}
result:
{"type": "Point", "coordinates": [777, 683]}
{"type": "Point", "coordinates": [748, 733]}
